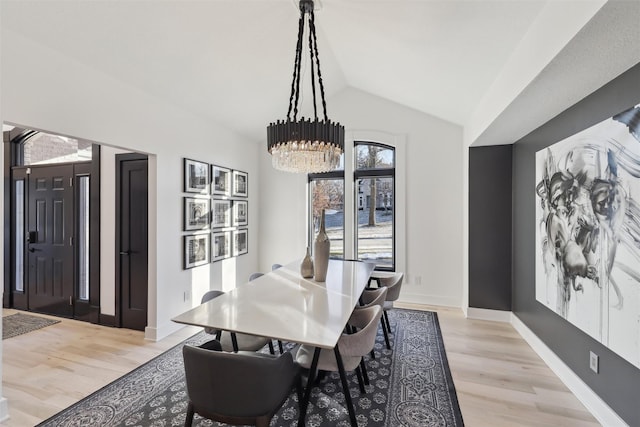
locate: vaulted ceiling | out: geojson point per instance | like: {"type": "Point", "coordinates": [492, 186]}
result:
{"type": "Point", "coordinates": [232, 60]}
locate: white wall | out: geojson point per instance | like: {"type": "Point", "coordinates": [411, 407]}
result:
{"type": "Point", "coordinates": [434, 159]}
{"type": "Point", "coordinates": [69, 98]}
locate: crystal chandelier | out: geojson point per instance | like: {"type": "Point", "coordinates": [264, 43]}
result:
{"type": "Point", "coordinates": [299, 145]}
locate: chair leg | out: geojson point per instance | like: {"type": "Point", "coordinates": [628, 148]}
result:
{"type": "Point", "coordinates": [360, 381]}
{"type": "Point", "coordinates": [271, 350]}
{"type": "Point", "coordinates": [365, 375]}
{"type": "Point", "coordinates": [373, 353]}
{"type": "Point", "coordinates": [386, 334]}
{"type": "Point", "coordinates": [280, 347]}
{"type": "Point", "coordinates": [188, 421]}
{"type": "Point", "coordinates": [345, 388]}
{"type": "Point", "coordinates": [386, 319]}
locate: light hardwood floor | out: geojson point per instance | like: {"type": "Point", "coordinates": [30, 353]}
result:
{"type": "Point", "coordinates": [499, 379]}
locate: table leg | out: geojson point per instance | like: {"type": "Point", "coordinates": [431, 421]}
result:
{"type": "Point", "coordinates": [307, 393]}
{"type": "Point", "coordinates": [345, 388]}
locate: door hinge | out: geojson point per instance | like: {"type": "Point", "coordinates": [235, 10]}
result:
{"type": "Point", "coordinates": [70, 299]}
{"type": "Point", "coordinates": [70, 240]}
{"type": "Point", "coordinates": [71, 182]}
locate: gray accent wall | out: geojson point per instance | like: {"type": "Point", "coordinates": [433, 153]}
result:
{"type": "Point", "coordinates": [490, 227]}
{"type": "Point", "coordinates": [618, 382]}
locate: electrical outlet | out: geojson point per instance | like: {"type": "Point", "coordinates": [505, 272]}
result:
{"type": "Point", "coordinates": [593, 361]}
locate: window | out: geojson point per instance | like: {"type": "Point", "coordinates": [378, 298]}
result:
{"type": "Point", "coordinates": [45, 148]}
{"type": "Point", "coordinates": [374, 179]}
{"type": "Point", "coordinates": [371, 209]}
{"type": "Point", "coordinates": [19, 197]}
{"type": "Point", "coordinates": [83, 237]}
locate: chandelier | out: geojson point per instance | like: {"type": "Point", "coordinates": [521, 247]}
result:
{"type": "Point", "coordinates": [299, 145]}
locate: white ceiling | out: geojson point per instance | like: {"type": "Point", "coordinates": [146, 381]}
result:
{"type": "Point", "coordinates": [232, 60]}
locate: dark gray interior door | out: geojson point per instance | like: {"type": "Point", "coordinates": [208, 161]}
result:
{"type": "Point", "coordinates": [132, 241]}
{"type": "Point", "coordinates": [50, 254]}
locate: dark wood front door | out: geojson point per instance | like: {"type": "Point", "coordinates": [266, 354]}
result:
{"type": "Point", "coordinates": [50, 254]}
{"type": "Point", "coordinates": [132, 239]}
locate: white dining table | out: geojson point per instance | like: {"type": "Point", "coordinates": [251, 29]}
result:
{"type": "Point", "coordinates": [283, 305]}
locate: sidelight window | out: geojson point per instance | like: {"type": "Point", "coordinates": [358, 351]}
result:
{"type": "Point", "coordinates": [19, 235]}
{"type": "Point", "coordinates": [83, 237]}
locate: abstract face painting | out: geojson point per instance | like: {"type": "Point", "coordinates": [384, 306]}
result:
{"type": "Point", "coordinates": [588, 231]}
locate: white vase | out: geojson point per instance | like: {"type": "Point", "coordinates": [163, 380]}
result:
{"type": "Point", "coordinates": [321, 249]}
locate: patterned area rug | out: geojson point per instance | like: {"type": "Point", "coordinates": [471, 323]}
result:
{"type": "Point", "coordinates": [410, 386]}
{"type": "Point", "coordinates": [18, 324]}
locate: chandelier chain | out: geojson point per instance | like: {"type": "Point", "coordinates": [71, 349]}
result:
{"type": "Point", "coordinates": [313, 76]}
{"type": "Point", "coordinates": [295, 83]}
{"type": "Point", "coordinates": [312, 26]}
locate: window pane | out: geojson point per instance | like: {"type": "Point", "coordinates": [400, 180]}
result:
{"type": "Point", "coordinates": [19, 233]}
{"type": "Point", "coordinates": [375, 201]}
{"type": "Point", "coordinates": [83, 238]}
{"type": "Point", "coordinates": [44, 148]}
{"type": "Point", "coordinates": [328, 194]}
{"type": "Point", "coordinates": [370, 156]}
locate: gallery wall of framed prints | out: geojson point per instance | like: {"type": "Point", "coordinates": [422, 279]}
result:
{"type": "Point", "coordinates": [215, 213]}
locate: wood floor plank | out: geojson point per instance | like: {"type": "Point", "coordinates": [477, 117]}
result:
{"type": "Point", "coordinates": [499, 379]}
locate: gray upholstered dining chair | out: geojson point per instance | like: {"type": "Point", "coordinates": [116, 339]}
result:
{"type": "Point", "coordinates": [242, 388]}
{"type": "Point", "coordinates": [232, 341]}
{"type": "Point", "coordinates": [351, 347]}
{"type": "Point", "coordinates": [376, 296]}
{"type": "Point", "coordinates": [393, 284]}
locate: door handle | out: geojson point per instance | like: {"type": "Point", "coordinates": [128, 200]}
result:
{"type": "Point", "coordinates": [124, 253]}
{"type": "Point", "coordinates": [32, 250]}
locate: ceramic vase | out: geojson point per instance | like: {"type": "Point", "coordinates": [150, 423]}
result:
{"type": "Point", "coordinates": [321, 248]}
{"type": "Point", "coordinates": [306, 267]}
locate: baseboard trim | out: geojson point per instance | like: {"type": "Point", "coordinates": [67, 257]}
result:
{"type": "Point", "coordinates": [415, 298]}
{"type": "Point", "coordinates": [486, 314]}
{"type": "Point", "coordinates": [594, 404]}
{"type": "Point", "coordinates": [163, 331]}
{"type": "Point", "coordinates": [4, 409]}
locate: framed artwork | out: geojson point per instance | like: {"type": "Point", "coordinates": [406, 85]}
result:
{"type": "Point", "coordinates": [240, 212]}
{"type": "Point", "coordinates": [587, 231]}
{"type": "Point", "coordinates": [196, 214]}
{"type": "Point", "coordinates": [221, 213]}
{"type": "Point", "coordinates": [196, 177]}
{"type": "Point", "coordinates": [240, 242]}
{"type": "Point", "coordinates": [221, 245]}
{"type": "Point", "coordinates": [221, 185]}
{"type": "Point", "coordinates": [240, 184]}
{"type": "Point", "coordinates": [196, 250]}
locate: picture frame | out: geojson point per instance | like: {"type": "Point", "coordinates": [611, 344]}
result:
{"type": "Point", "coordinates": [197, 214]}
{"type": "Point", "coordinates": [240, 242]}
{"type": "Point", "coordinates": [196, 177]}
{"type": "Point", "coordinates": [221, 213]}
{"type": "Point", "coordinates": [196, 249]}
{"type": "Point", "coordinates": [240, 215]}
{"type": "Point", "coordinates": [240, 184]}
{"type": "Point", "coordinates": [220, 245]}
{"type": "Point", "coordinates": [220, 181]}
